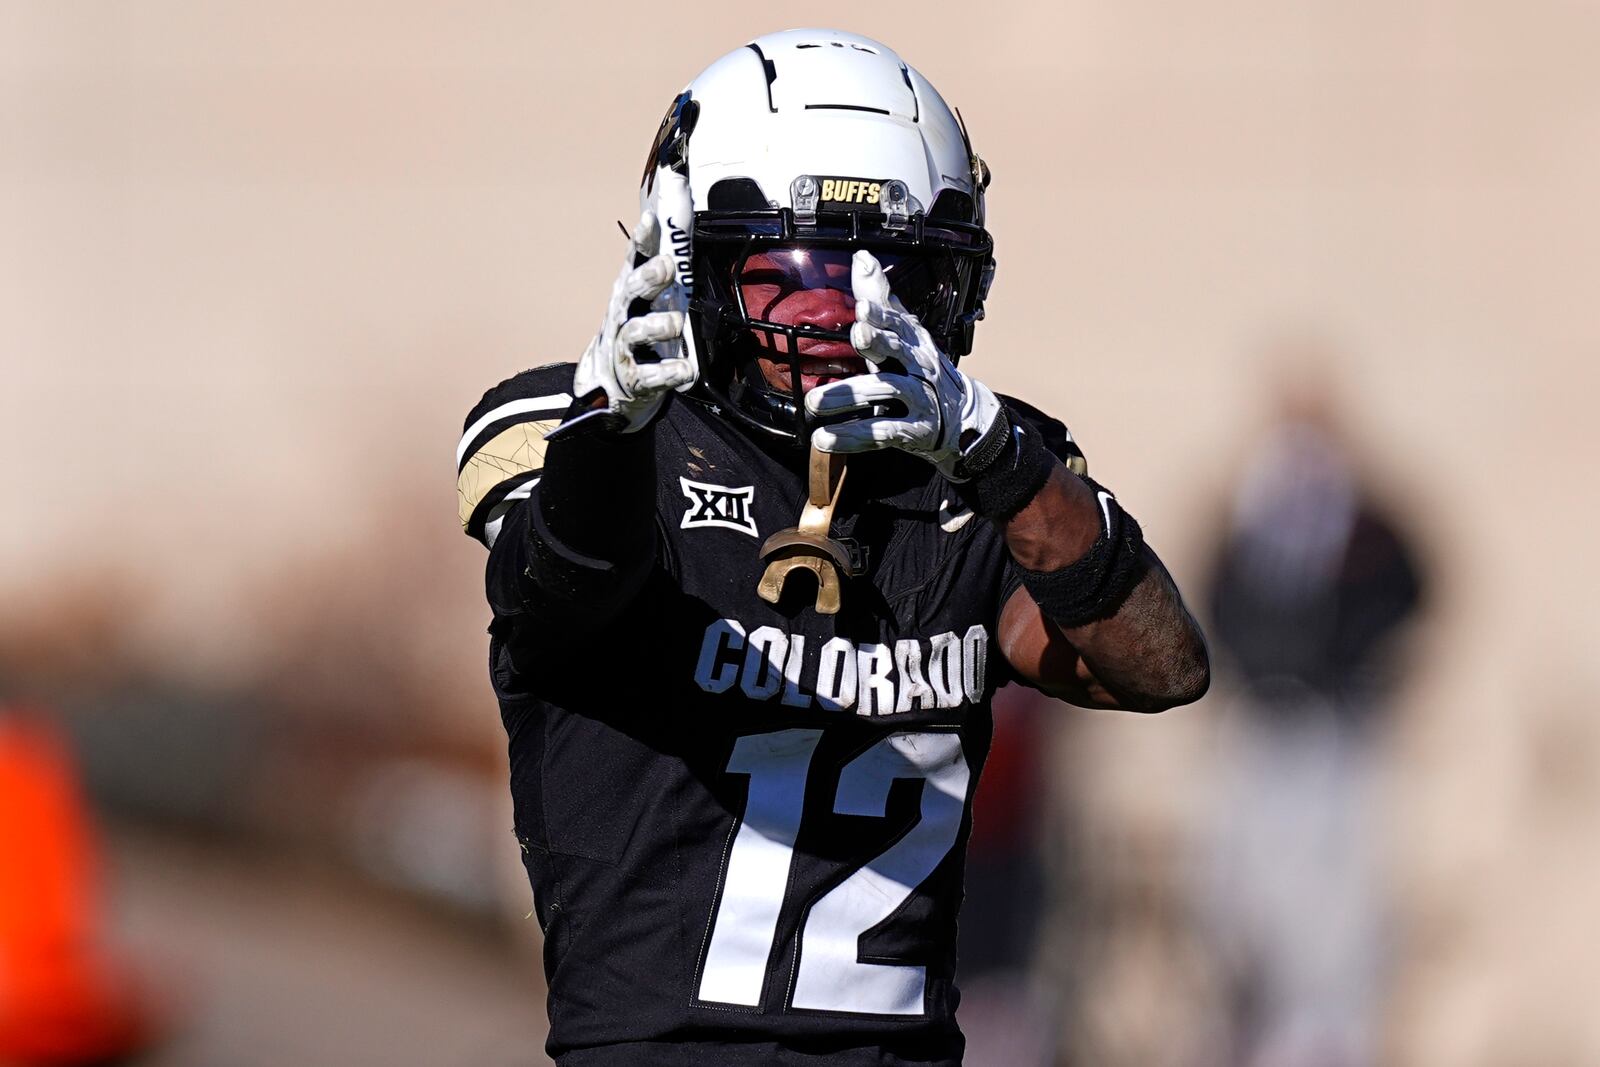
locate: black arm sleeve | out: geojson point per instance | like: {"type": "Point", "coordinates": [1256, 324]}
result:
{"type": "Point", "coordinates": [591, 532]}
{"type": "Point", "coordinates": [570, 525]}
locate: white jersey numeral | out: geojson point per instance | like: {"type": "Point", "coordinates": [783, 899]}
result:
{"type": "Point", "coordinates": [829, 975]}
{"type": "Point", "coordinates": [746, 917]}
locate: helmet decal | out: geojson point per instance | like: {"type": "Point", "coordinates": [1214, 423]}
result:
{"type": "Point", "coordinates": [671, 146]}
{"type": "Point", "coordinates": [849, 194]}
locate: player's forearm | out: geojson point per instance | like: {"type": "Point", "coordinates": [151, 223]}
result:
{"type": "Point", "coordinates": [1144, 651]}
{"type": "Point", "coordinates": [1056, 527]}
{"type": "Point", "coordinates": [1150, 654]}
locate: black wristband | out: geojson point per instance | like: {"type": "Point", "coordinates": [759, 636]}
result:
{"type": "Point", "coordinates": [1007, 474]}
{"type": "Point", "coordinates": [1094, 586]}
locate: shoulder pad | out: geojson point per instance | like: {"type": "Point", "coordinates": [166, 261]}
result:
{"type": "Point", "coordinates": [502, 445]}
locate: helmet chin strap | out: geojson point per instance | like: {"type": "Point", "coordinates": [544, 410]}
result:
{"type": "Point", "coordinates": [753, 399]}
{"type": "Point", "coordinates": [757, 400]}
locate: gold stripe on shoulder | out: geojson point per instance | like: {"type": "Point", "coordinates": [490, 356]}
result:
{"type": "Point", "coordinates": [516, 450]}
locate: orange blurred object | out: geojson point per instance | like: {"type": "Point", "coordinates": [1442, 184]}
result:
{"type": "Point", "coordinates": [63, 1000]}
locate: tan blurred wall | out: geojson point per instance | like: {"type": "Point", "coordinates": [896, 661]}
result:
{"type": "Point", "coordinates": [257, 260]}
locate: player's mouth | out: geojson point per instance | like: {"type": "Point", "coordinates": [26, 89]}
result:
{"type": "Point", "coordinates": [820, 368]}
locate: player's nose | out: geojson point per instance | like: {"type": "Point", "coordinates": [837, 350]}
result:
{"type": "Point", "coordinates": [828, 309]}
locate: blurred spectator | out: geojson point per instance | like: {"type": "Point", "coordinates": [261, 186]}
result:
{"type": "Point", "coordinates": [63, 1001]}
{"type": "Point", "coordinates": [1309, 586]}
{"type": "Point", "coordinates": [1311, 579]}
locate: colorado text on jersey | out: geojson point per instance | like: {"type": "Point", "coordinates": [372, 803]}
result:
{"type": "Point", "coordinates": [913, 674]}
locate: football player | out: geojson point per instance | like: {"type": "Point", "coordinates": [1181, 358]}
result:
{"type": "Point", "coordinates": [745, 820]}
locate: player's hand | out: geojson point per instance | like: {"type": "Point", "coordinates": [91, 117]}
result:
{"type": "Point", "coordinates": [948, 414]}
{"type": "Point", "coordinates": [637, 358]}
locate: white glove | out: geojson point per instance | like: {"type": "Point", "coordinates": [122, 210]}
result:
{"type": "Point", "coordinates": [634, 389]}
{"type": "Point", "coordinates": [947, 413]}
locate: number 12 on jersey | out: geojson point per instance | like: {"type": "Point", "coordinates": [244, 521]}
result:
{"type": "Point", "coordinates": [829, 975]}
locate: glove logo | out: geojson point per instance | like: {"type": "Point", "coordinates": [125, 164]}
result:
{"type": "Point", "coordinates": [718, 505]}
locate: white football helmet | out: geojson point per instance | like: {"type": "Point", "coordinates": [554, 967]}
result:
{"type": "Point", "coordinates": [823, 142]}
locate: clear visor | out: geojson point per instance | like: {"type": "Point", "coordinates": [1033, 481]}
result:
{"type": "Point", "coordinates": [767, 276]}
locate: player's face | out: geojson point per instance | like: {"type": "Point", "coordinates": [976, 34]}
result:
{"type": "Point", "coordinates": [798, 286]}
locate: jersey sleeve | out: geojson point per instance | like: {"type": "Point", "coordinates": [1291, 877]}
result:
{"type": "Point", "coordinates": [501, 453]}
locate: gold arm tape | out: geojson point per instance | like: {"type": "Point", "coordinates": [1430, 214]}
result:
{"type": "Point", "coordinates": [516, 450]}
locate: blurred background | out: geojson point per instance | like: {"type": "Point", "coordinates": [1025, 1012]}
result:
{"type": "Point", "coordinates": [1311, 282]}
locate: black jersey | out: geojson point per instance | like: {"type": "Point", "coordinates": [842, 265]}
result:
{"type": "Point", "coordinates": [744, 824]}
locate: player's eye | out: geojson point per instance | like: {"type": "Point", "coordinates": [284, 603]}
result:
{"type": "Point", "coordinates": [759, 299]}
